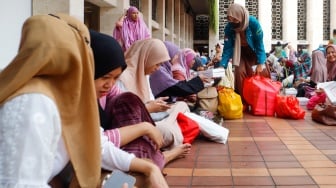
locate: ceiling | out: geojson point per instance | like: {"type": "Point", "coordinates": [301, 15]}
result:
{"type": "Point", "coordinates": [199, 6]}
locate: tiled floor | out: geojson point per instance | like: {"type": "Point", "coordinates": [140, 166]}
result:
{"type": "Point", "coordinates": [261, 152]}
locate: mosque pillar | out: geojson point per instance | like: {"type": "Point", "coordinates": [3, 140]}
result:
{"type": "Point", "coordinates": [170, 21]}
{"type": "Point", "coordinates": [332, 17]}
{"type": "Point", "coordinates": [265, 19]}
{"type": "Point", "coordinates": [290, 22]}
{"type": "Point", "coordinates": [74, 8]}
{"type": "Point", "coordinates": [314, 23]}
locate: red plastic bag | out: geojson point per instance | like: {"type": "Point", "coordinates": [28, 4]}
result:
{"type": "Point", "coordinates": [260, 92]}
{"type": "Point", "coordinates": [288, 107]}
{"type": "Point", "coordinates": [190, 128]}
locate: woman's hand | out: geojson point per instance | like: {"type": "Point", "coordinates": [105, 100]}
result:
{"type": "Point", "coordinates": [155, 135]}
{"type": "Point", "coordinates": [158, 105]}
{"type": "Point", "coordinates": [150, 170]}
{"type": "Point", "coordinates": [204, 79]}
{"type": "Point", "coordinates": [156, 178]}
{"type": "Point", "coordinates": [260, 68]}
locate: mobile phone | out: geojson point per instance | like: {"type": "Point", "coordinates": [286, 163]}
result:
{"type": "Point", "coordinates": [117, 180]}
{"type": "Point", "coordinates": [171, 102]}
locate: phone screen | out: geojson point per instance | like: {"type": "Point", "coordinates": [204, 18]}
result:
{"type": "Point", "coordinates": [117, 179]}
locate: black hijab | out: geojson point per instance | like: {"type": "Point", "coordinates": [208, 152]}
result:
{"type": "Point", "coordinates": [108, 56]}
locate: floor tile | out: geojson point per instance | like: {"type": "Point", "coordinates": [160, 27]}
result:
{"type": "Point", "coordinates": [261, 152]}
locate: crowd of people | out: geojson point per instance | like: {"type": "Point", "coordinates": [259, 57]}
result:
{"type": "Point", "coordinates": [80, 97]}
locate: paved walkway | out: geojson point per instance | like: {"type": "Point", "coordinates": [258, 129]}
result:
{"type": "Point", "coordinates": [261, 152]}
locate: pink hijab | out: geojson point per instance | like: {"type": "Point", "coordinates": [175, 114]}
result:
{"type": "Point", "coordinates": [185, 58]}
{"type": "Point", "coordinates": [133, 30]}
{"type": "Point", "coordinates": [331, 66]}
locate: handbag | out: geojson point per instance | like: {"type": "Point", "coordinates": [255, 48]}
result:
{"type": "Point", "coordinates": [230, 105]}
{"type": "Point", "coordinates": [325, 114]}
{"type": "Point", "coordinates": [288, 107]}
{"type": "Point", "coordinates": [207, 99]}
{"type": "Point", "coordinates": [189, 128]}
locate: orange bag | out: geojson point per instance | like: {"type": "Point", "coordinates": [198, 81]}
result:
{"type": "Point", "coordinates": [260, 92]}
{"type": "Point", "coordinates": [288, 107]}
{"type": "Point", "coordinates": [190, 128]}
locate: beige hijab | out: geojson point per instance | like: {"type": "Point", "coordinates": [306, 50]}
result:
{"type": "Point", "coordinates": [319, 71]}
{"type": "Point", "coordinates": [141, 55]}
{"type": "Point", "coordinates": [240, 13]}
{"type": "Point", "coordinates": [55, 59]}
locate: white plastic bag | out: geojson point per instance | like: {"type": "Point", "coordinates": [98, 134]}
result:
{"type": "Point", "coordinates": [210, 129]}
{"type": "Point", "coordinates": [228, 78]}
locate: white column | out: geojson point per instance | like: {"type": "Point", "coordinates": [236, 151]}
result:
{"type": "Point", "coordinates": [265, 19]}
{"type": "Point", "coordinates": [241, 2]}
{"type": "Point", "coordinates": [314, 23]}
{"type": "Point", "coordinates": [332, 16]}
{"type": "Point", "coordinates": [170, 21]}
{"type": "Point", "coordinates": [146, 10]}
{"type": "Point", "coordinates": [109, 15]}
{"type": "Point", "coordinates": [290, 21]}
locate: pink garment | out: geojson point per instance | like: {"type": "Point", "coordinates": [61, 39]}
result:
{"type": "Point", "coordinates": [113, 136]}
{"type": "Point", "coordinates": [331, 66]}
{"type": "Point", "coordinates": [179, 72]}
{"type": "Point", "coordinates": [185, 62]}
{"type": "Point", "coordinates": [133, 30]}
{"type": "Point", "coordinates": [189, 56]}
{"type": "Point", "coordinates": [115, 90]}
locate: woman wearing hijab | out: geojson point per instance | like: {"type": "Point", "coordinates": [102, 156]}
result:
{"type": "Point", "coordinates": [331, 62]}
{"type": "Point", "coordinates": [163, 84]}
{"type": "Point", "coordinates": [125, 118]}
{"type": "Point", "coordinates": [48, 110]}
{"type": "Point", "coordinates": [47, 92]}
{"type": "Point", "coordinates": [243, 42]}
{"type": "Point", "coordinates": [181, 67]}
{"type": "Point", "coordinates": [143, 58]}
{"type": "Point", "coordinates": [319, 67]}
{"type": "Point", "coordinates": [318, 73]}
{"type": "Point", "coordinates": [133, 28]}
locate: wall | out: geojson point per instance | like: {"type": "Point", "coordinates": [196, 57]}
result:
{"type": "Point", "coordinates": [12, 17]}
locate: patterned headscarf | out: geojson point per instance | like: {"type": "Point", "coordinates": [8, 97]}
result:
{"type": "Point", "coordinates": [55, 59]}
{"type": "Point", "coordinates": [242, 15]}
{"type": "Point", "coordinates": [142, 54]}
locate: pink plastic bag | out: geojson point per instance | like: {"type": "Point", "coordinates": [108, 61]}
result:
{"type": "Point", "coordinates": [316, 99]}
